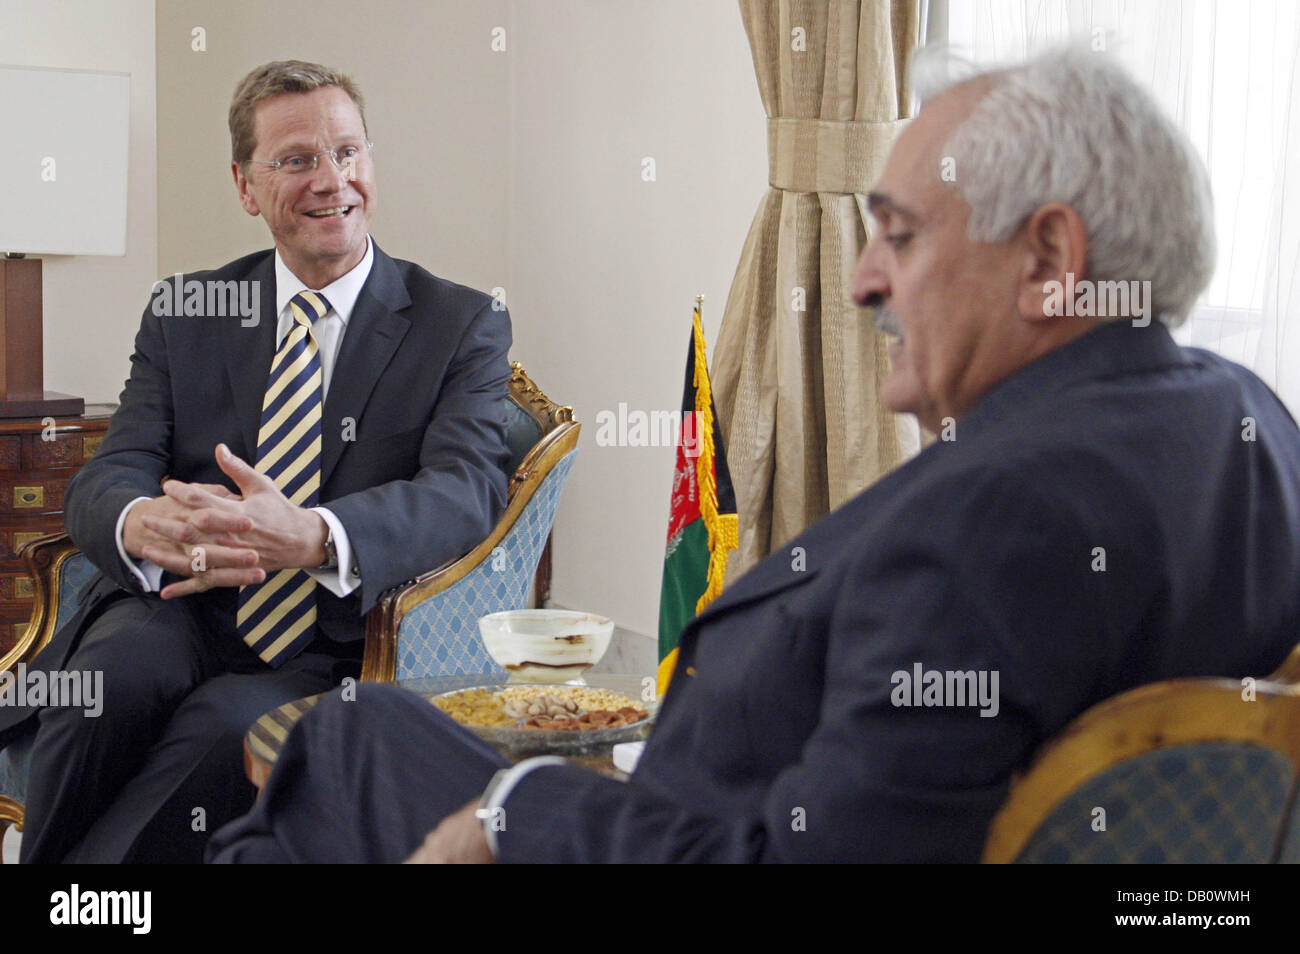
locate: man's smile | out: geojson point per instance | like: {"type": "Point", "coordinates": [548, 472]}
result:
{"type": "Point", "coordinates": [341, 211]}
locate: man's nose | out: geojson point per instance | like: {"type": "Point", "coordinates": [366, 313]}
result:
{"type": "Point", "coordinates": [870, 286]}
{"type": "Point", "coordinates": [330, 175]}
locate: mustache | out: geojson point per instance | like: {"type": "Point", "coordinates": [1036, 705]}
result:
{"type": "Point", "coordinates": [886, 320]}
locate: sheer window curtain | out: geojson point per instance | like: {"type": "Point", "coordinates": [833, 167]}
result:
{"type": "Point", "coordinates": [1227, 73]}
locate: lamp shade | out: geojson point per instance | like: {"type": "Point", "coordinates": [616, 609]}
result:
{"type": "Point", "coordinates": [63, 166]}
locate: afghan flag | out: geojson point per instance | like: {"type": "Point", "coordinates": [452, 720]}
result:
{"type": "Point", "coordinates": [703, 526]}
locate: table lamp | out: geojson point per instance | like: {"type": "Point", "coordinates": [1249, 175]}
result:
{"type": "Point", "coordinates": [64, 170]}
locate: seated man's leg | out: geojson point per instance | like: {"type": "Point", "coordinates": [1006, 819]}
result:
{"type": "Point", "coordinates": [361, 781]}
{"type": "Point", "coordinates": [193, 781]}
{"type": "Point", "coordinates": [150, 653]}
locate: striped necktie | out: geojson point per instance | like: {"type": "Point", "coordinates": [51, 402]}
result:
{"type": "Point", "coordinates": [276, 617]}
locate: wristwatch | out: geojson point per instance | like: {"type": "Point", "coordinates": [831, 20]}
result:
{"type": "Point", "coordinates": [331, 552]}
{"type": "Point", "coordinates": [491, 812]}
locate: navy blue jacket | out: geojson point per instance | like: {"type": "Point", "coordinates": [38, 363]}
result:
{"type": "Point", "coordinates": [1120, 511]}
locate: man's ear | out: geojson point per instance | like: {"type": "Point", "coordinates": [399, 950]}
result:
{"type": "Point", "coordinates": [1055, 245]}
{"type": "Point", "coordinates": [245, 194]}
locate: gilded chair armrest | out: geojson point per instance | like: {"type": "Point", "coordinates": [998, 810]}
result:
{"type": "Point", "coordinates": [44, 558]}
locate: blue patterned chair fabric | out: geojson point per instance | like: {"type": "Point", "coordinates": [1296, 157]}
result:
{"type": "Point", "coordinates": [1210, 802]}
{"type": "Point", "coordinates": [522, 432]}
{"type": "Point", "coordinates": [1290, 853]}
{"type": "Point", "coordinates": [13, 767]}
{"type": "Point", "coordinates": [74, 573]}
{"type": "Point", "coordinates": [440, 637]}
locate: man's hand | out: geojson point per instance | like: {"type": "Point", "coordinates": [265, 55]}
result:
{"type": "Point", "coordinates": [458, 840]}
{"type": "Point", "coordinates": [187, 543]}
{"type": "Point", "coordinates": [242, 538]}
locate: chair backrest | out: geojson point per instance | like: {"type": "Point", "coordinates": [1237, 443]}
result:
{"type": "Point", "coordinates": [1190, 770]}
{"type": "Point", "coordinates": [438, 635]}
{"type": "Point", "coordinates": [523, 431]}
{"type": "Point", "coordinates": [430, 626]}
{"type": "Point", "coordinates": [534, 423]}
{"type": "Point", "coordinates": [1289, 674]}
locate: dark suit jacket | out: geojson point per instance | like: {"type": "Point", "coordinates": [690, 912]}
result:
{"type": "Point", "coordinates": [421, 376]}
{"type": "Point", "coordinates": [779, 739]}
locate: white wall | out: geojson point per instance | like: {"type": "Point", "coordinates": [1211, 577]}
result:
{"type": "Point", "coordinates": [436, 107]}
{"type": "Point", "coordinates": [93, 304]}
{"type": "Point", "coordinates": [604, 267]}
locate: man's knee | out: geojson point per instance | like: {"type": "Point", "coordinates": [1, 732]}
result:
{"type": "Point", "coordinates": [392, 721]}
{"type": "Point", "coordinates": [221, 711]}
{"type": "Point", "coordinates": [368, 707]}
{"type": "Point", "coordinates": [145, 655]}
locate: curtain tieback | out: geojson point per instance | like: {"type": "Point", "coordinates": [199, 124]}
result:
{"type": "Point", "coordinates": [825, 155]}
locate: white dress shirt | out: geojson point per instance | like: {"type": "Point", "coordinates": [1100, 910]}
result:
{"type": "Point", "coordinates": [328, 334]}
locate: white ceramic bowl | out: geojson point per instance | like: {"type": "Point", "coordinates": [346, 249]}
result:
{"type": "Point", "coordinates": [544, 645]}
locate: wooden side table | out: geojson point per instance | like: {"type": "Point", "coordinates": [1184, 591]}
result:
{"type": "Point", "coordinates": [36, 463]}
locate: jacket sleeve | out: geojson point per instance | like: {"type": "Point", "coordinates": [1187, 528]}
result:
{"type": "Point", "coordinates": [875, 780]}
{"type": "Point", "coordinates": [132, 460]}
{"type": "Point", "coordinates": [453, 502]}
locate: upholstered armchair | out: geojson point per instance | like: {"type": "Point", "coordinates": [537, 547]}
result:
{"type": "Point", "coordinates": [1185, 771]}
{"type": "Point", "coordinates": [429, 626]}
{"type": "Point", "coordinates": [425, 627]}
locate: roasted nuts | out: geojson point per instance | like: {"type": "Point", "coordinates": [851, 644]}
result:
{"type": "Point", "coordinates": [553, 707]}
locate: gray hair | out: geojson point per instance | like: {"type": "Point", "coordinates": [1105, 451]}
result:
{"type": "Point", "coordinates": [1071, 126]}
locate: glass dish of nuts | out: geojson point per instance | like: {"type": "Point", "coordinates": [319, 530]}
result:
{"type": "Point", "coordinates": [563, 719]}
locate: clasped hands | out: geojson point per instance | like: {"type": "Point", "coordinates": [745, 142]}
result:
{"type": "Point", "coordinates": [216, 538]}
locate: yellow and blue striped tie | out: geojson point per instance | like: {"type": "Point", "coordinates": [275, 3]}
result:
{"type": "Point", "coordinates": [277, 617]}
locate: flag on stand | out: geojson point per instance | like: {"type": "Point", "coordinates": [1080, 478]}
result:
{"type": "Point", "coordinates": [702, 526]}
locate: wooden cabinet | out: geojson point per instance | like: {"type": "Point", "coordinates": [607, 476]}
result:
{"type": "Point", "coordinates": [36, 463]}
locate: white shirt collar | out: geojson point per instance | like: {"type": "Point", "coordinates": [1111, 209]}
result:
{"type": "Point", "coordinates": [341, 293]}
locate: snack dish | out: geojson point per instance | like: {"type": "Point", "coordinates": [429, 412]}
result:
{"type": "Point", "coordinates": [561, 708]}
{"type": "Point", "coordinates": [568, 720]}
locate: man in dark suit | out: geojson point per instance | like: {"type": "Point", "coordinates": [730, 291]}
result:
{"type": "Point", "coordinates": [270, 472]}
{"type": "Point", "coordinates": [1102, 509]}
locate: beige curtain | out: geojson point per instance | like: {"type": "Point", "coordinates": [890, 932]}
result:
{"type": "Point", "coordinates": [797, 367]}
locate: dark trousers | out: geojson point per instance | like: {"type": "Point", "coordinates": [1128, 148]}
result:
{"type": "Point", "coordinates": [361, 781]}
{"type": "Point", "coordinates": [162, 766]}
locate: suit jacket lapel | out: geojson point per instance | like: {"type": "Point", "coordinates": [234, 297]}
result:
{"type": "Point", "coordinates": [248, 354]}
{"type": "Point", "coordinates": [374, 332]}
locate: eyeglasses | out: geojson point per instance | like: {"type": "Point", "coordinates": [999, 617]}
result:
{"type": "Point", "coordinates": [344, 157]}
